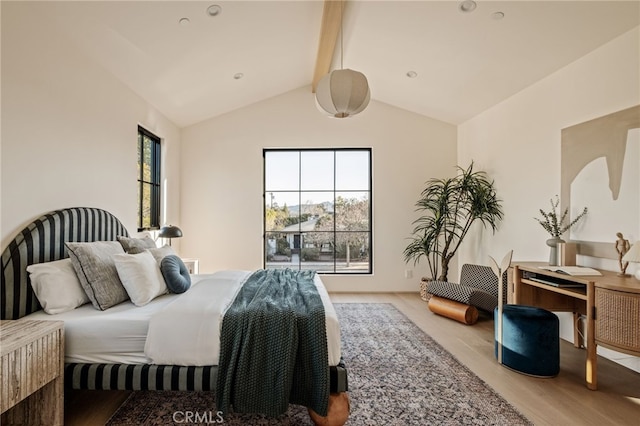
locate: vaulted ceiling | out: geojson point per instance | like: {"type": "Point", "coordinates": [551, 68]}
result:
{"type": "Point", "coordinates": [193, 66]}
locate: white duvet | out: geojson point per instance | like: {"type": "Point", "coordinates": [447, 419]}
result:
{"type": "Point", "coordinates": [187, 330]}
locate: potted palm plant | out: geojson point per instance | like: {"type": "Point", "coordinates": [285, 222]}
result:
{"type": "Point", "coordinates": [448, 208]}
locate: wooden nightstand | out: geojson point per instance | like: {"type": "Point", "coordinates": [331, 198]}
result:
{"type": "Point", "coordinates": [32, 372]}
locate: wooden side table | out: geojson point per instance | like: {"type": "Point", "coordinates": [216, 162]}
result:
{"type": "Point", "coordinates": [32, 372]}
{"type": "Point", "coordinates": [192, 264]}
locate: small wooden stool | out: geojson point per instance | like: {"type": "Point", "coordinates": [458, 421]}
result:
{"type": "Point", "coordinates": [460, 312]}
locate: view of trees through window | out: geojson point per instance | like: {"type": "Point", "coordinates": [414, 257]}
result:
{"type": "Point", "coordinates": [148, 180]}
{"type": "Point", "coordinates": [318, 209]}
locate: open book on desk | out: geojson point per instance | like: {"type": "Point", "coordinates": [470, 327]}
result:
{"type": "Point", "coordinates": [572, 270]}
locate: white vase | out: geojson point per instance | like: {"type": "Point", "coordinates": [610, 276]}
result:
{"type": "Point", "coordinates": [553, 251]}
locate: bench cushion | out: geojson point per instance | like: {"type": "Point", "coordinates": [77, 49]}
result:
{"type": "Point", "coordinates": [463, 294]}
{"type": "Point", "coordinates": [478, 287]}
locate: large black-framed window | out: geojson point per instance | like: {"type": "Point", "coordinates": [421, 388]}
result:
{"type": "Point", "coordinates": [148, 180]}
{"type": "Point", "coordinates": [318, 209]}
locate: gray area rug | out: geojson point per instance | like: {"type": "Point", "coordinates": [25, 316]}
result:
{"type": "Point", "coordinates": [398, 375]}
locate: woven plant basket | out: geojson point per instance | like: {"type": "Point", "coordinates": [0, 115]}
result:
{"type": "Point", "coordinates": [424, 281]}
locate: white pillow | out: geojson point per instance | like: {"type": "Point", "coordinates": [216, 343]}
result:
{"type": "Point", "coordinates": [57, 286]}
{"type": "Point", "coordinates": [141, 276]}
{"type": "Point", "coordinates": [160, 252]}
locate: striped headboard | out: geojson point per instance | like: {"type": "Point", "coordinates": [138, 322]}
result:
{"type": "Point", "coordinates": [43, 241]}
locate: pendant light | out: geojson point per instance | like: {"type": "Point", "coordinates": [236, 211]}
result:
{"type": "Point", "coordinates": [344, 92]}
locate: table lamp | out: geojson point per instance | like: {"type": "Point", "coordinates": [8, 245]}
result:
{"type": "Point", "coordinates": [170, 232]}
{"type": "Point", "coordinates": [633, 255]}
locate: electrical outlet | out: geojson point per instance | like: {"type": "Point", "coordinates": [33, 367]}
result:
{"type": "Point", "coordinates": [408, 273]}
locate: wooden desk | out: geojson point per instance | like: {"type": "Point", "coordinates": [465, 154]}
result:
{"type": "Point", "coordinates": [32, 372]}
{"type": "Point", "coordinates": [610, 303]}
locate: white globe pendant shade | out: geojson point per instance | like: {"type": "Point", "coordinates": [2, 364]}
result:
{"type": "Point", "coordinates": [343, 93]}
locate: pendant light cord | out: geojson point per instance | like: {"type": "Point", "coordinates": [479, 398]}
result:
{"type": "Point", "coordinates": [341, 34]}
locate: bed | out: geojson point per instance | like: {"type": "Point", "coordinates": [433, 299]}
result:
{"type": "Point", "coordinates": [117, 360]}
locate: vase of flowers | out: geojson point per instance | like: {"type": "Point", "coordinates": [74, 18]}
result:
{"type": "Point", "coordinates": [553, 249]}
{"type": "Point", "coordinates": [556, 225]}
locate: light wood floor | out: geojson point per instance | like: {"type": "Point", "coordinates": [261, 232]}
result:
{"type": "Point", "coordinates": [563, 400]}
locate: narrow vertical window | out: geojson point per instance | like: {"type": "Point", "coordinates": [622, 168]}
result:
{"type": "Point", "coordinates": [317, 209]}
{"type": "Point", "coordinates": [148, 180]}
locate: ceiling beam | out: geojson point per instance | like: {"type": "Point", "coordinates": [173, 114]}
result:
{"type": "Point", "coordinates": [329, 31]}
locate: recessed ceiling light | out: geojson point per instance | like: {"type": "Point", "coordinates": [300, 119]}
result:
{"type": "Point", "coordinates": [184, 22]}
{"type": "Point", "coordinates": [467, 6]}
{"type": "Point", "coordinates": [238, 76]}
{"type": "Point", "coordinates": [497, 15]}
{"type": "Point", "coordinates": [214, 10]}
{"type": "Point", "coordinates": [412, 74]}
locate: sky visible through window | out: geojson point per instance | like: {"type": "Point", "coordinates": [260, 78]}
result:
{"type": "Point", "coordinates": [312, 173]}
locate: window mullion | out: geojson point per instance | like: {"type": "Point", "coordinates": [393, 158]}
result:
{"type": "Point", "coordinates": [335, 218]}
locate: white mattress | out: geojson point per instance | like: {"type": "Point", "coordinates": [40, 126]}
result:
{"type": "Point", "coordinates": [114, 336]}
{"type": "Point", "coordinates": [118, 335]}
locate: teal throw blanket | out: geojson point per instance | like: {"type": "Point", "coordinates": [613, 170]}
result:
{"type": "Point", "coordinates": [273, 346]}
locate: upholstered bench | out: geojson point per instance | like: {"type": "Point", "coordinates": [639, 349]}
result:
{"type": "Point", "coordinates": [478, 288]}
{"type": "Point", "coordinates": [530, 340]}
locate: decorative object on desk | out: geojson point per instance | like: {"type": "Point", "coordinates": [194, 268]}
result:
{"type": "Point", "coordinates": [622, 247]}
{"type": "Point", "coordinates": [556, 226]}
{"type": "Point", "coordinates": [633, 255]}
{"type": "Point", "coordinates": [449, 206]}
{"type": "Point", "coordinates": [499, 270]}
{"type": "Point", "coordinates": [170, 232]}
{"type": "Point", "coordinates": [553, 243]}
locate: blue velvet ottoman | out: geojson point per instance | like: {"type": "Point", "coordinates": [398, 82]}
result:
{"type": "Point", "coordinates": [530, 340]}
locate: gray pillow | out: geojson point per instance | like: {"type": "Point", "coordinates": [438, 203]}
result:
{"type": "Point", "coordinates": [136, 245]}
{"type": "Point", "coordinates": [175, 273]}
{"type": "Point", "coordinates": [96, 270]}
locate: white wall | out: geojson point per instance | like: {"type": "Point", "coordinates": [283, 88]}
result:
{"type": "Point", "coordinates": [69, 130]}
{"type": "Point", "coordinates": [222, 179]}
{"type": "Point", "coordinates": [518, 143]}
